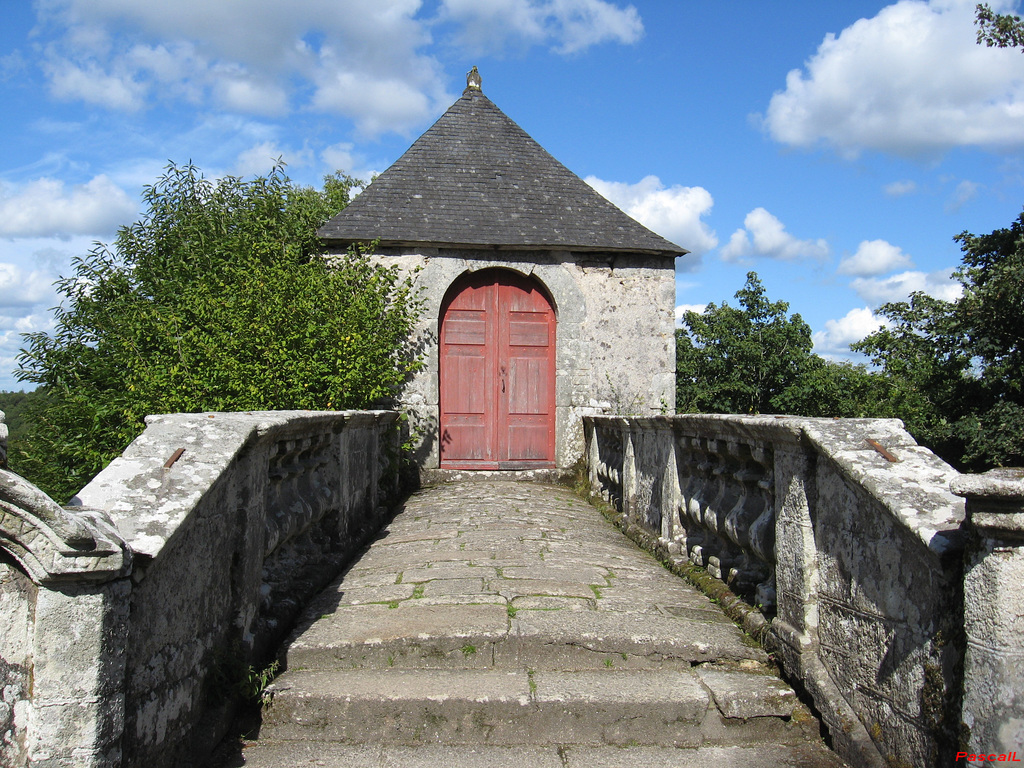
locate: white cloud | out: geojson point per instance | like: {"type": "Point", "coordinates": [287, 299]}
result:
{"type": "Point", "coordinates": [674, 212]}
{"type": "Point", "coordinates": [362, 57]}
{"type": "Point", "coordinates": [839, 334]}
{"type": "Point", "coordinates": [261, 158]}
{"type": "Point", "coordinates": [965, 192]}
{"type": "Point", "coordinates": [28, 268]}
{"type": "Point", "coordinates": [682, 309]}
{"type": "Point", "coordinates": [30, 323]}
{"type": "Point", "coordinates": [340, 157]}
{"type": "Point", "coordinates": [21, 288]}
{"type": "Point", "coordinates": [25, 297]}
{"type": "Point", "coordinates": [12, 65]}
{"type": "Point", "coordinates": [343, 157]}
{"type": "Point", "coordinates": [89, 83]}
{"type": "Point", "coordinates": [909, 80]}
{"type": "Point", "coordinates": [237, 91]}
{"type": "Point", "coordinates": [900, 188]}
{"type": "Point", "coordinates": [764, 235]}
{"type": "Point", "coordinates": [567, 26]}
{"type": "Point", "coordinates": [874, 257]}
{"type": "Point", "coordinates": [377, 103]}
{"type": "Point", "coordinates": [45, 207]}
{"type": "Point", "coordinates": [11, 343]}
{"type": "Point", "coordinates": [876, 291]}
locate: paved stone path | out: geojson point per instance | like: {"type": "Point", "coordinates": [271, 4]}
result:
{"type": "Point", "coordinates": [497, 623]}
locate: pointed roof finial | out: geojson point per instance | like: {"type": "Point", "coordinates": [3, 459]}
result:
{"type": "Point", "coordinates": [473, 80]}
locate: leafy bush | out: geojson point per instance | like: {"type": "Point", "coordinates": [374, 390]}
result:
{"type": "Point", "coordinates": [217, 299]}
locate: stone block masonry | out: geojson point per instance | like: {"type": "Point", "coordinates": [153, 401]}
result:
{"type": "Point", "coordinates": [127, 622]}
{"type": "Point", "coordinates": [846, 542]}
{"type": "Point", "coordinates": [993, 720]}
{"type": "Point", "coordinates": [615, 337]}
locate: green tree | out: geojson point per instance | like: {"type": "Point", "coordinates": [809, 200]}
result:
{"type": "Point", "coordinates": [14, 405]}
{"type": "Point", "coordinates": [839, 389]}
{"type": "Point", "coordinates": [742, 359]}
{"type": "Point", "coordinates": [757, 359]}
{"type": "Point", "coordinates": [997, 30]}
{"type": "Point", "coordinates": [216, 299]}
{"type": "Point", "coordinates": [958, 366]}
{"type": "Point", "coordinates": [928, 368]}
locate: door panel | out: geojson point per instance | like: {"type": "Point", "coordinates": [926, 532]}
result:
{"type": "Point", "coordinates": [497, 373]}
{"type": "Point", "coordinates": [469, 425]}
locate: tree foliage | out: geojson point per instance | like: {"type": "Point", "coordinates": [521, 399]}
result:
{"type": "Point", "coordinates": [216, 299]}
{"type": "Point", "coordinates": [741, 359]}
{"type": "Point", "coordinates": [953, 371]}
{"type": "Point", "coordinates": [14, 406]}
{"type": "Point", "coordinates": [997, 30]}
{"type": "Point", "coordinates": [959, 365]}
{"type": "Point", "coordinates": [756, 358]}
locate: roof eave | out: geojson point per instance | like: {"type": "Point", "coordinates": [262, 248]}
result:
{"type": "Point", "coordinates": [385, 243]}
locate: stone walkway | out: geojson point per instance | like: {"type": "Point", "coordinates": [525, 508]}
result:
{"type": "Point", "coordinates": [497, 623]}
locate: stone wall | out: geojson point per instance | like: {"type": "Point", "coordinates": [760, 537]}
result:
{"type": "Point", "coordinates": [843, 538]}
{"type": "Point", "coordinates": [993, 711]}
{"type": "Point", "coordinates": [207, 535]}
{"type": "Point", "coordinates": [615, 334]}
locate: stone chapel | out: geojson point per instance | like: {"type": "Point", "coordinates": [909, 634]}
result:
{"type": "Point", "coordinates": [543, 302]}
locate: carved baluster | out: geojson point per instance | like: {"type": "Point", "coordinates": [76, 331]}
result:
{"type": "Point", "coordinates": [721, 562]}
{"type": "Point", "coordinates": [715, 488]}
{"type": "Point", "coordinates": [703, 489]}
{"type": "Point", "coordinates": [746, 507]}
{"type": "Point", "coordinates": [272, 521]}
{"type": "Point", "coordinates": [610, 467]}
{"type": "Point", "coordinates": [762, 530]}
{"type": "Point", "coordinates": [682, 527]}
{"type": "Point", "coordinates": [749, 570]}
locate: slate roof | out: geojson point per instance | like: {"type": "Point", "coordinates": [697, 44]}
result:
{"type": "Point", "coordinates": [476, 179]}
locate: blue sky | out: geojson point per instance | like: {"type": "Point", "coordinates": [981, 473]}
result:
{"type": "Point", "coordinates": [835, 148]}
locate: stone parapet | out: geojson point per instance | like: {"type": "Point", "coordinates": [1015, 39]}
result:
{"type": "Point", "coordinates": [129, 620]}
{"type": "Point", "coordinates": [993, 709]}
{"type": "Point", "coordinates": [842, 533]}
{"type": "Point", "coordinates": [64, 590]}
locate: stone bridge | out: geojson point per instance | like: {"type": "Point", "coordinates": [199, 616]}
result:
{"type": "Point", "coordinates": [496, 623]}
{"type": "Point", "coordinates": [492, 622]}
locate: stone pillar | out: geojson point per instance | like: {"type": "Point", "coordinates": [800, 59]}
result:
{"type": "Point", "coordinates": [993, 705]}
{"type": "Point", "coordinates": [78, 697]}
{"type": "Point", "coordinates": [796, 563]}
{"type": "Point", "coordinates": [628, 471]}
{"type": "Point", "coordinates": [64, 602]}
{"type": "Point", "coordinates": [3, 442]}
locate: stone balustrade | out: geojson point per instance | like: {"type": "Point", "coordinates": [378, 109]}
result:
{"type": "Point", "coordinates": [127, 621]}
{"type": "Point", "coordinates": [844, 540]}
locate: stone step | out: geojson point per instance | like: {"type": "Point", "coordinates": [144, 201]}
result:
{"type": "Point", "coordinates": [289, 754]}
{"type": "Point", "coordinates": [415, 635]}
{"type": "Point", "coordinates": [707, 705]}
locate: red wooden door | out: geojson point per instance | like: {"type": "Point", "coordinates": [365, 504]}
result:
{"type": "Point", "coordinates": [497, 374]}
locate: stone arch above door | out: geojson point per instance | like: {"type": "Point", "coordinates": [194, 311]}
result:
{"type": "Point", "coordinates": [496, 372]}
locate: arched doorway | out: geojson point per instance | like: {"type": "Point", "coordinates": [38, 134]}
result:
{"type": "Point", "coordinates": [497, 373]}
